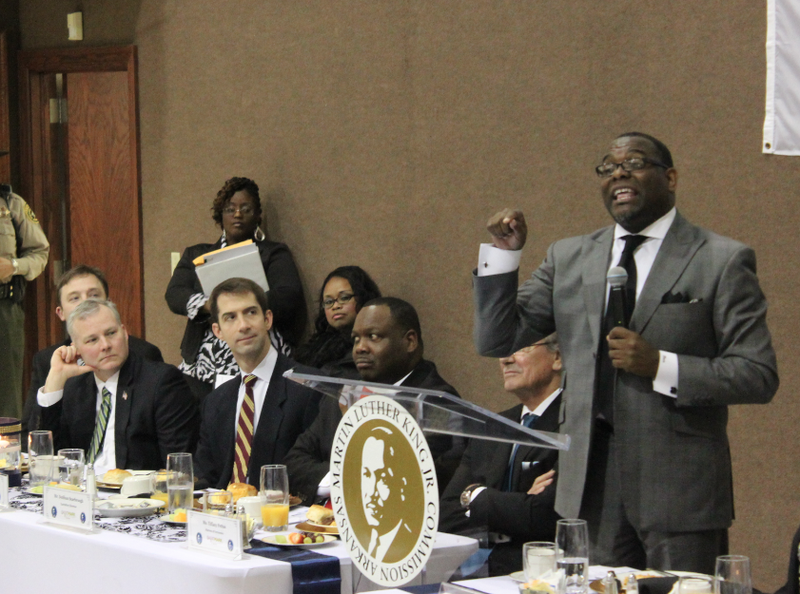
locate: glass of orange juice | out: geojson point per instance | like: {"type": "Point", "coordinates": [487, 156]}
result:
{"type": "Point", "coordinates": [275, 497]}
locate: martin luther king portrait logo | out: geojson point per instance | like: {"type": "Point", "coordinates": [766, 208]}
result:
{"type": "Point", "coordinates": [384, 491]}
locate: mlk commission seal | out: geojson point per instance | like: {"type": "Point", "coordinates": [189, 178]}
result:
{"type": "Point", "coordinates": [384, 491]}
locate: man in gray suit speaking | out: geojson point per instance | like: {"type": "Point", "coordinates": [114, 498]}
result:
{"type": "Point", "coordinates": [646, 400]}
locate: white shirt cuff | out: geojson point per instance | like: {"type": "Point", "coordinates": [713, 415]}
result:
{"type": "Point", "coordinates": [666, 380]}
{"type": "Point", "coordinates": [324, 487]}
{"type": "Point", "coordinates": [492, 260]}
{"type": "Point", "coordinates": [475, 493]}
{"type": "Point", "coordinates": [46, 399]}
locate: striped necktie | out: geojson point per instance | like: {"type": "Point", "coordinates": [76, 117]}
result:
{"type": "Point", "coordinates": [527, 420]}
{"type": "Point", "coordinates": [244, 432]}
{"type": "Point", "coordinates": [100, 427]}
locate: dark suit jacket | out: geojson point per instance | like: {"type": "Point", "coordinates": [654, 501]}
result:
{"type": "Point", "coordinates": [40, 367]}
{"type": "Point", "coordinates": [288, 410]}
{"type": "Point", "coordinates": [286, 298]}
{"type": "Point", "coordinates": [672, 453]}
{"type": "Point", "coordinates": [309, 460]}
{"type": "Point", "coordinates": [158, 417]}
{"type": "Point", "coordinates": [516, 514]}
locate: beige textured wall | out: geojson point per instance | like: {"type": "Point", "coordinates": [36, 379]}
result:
{"type": "Point", "coordinates": [385, 133]}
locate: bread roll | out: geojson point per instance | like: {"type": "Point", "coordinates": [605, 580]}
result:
{"type": "Point", "coordinates": [241, 490]}
{"type": "Point", "coordinates": [320, 515]}
{"type": "Point", "coordinates": [116, 476]}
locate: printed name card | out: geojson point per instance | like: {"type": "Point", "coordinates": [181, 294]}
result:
{"type": "Point", "coordinates": [215, 534]}
{"type": "Point", "coordinates": [4, 504]}
{"type": "Point", "coordinates": [68, 508]}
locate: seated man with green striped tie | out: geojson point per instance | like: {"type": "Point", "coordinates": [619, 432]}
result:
{"type": "Point", "coordinates": [254, 418]}
{"type": "Point", "coordinates": [507, 490]}
{"type": "Point", "coordinates": [122, 410]}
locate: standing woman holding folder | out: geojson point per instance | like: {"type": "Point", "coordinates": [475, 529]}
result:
{"type": "Point", "coordinates": [206, 359]}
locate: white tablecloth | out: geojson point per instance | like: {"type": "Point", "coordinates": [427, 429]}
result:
{"type": "Point", "coordinates": [39, 557]}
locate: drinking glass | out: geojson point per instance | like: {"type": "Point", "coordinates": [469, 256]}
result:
{"type": "Point", "coordinates": [71, 463]}
{"type": "Point", "coordinates": [572, 556]}
{"type": "Point", "coordinates": [217, 502]}
{"type": "Point", "coordinates": [538, 558]}
{"type": "Point", "coordinates": [180, 481]}
{"type": "Point", "coordinates": [160, 486]}
{"type": "Point", "coordinates": [732, 575]}
{"type": "Point", "coordinates": [40, 458]}
{"type": "Point", "coordinates": [275, 494]}
{"type": "Point", "coordinates": [696, 584]}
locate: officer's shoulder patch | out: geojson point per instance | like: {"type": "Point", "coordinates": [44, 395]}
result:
{"type": "Point", "coordinates": [30, 215]}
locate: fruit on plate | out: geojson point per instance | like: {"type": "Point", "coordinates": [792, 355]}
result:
{"type": "Point", "coordinates": [179, 515]}
{"type": "Point", "coordinates": [305, 538]}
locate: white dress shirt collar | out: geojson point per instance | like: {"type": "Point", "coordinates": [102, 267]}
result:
{"type": "Point", "coordinates": [539, 410]}
{"type": "Point", "coordinates": [656, 230]}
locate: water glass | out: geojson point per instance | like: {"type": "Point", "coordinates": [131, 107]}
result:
{"type": "Point", "coordinates": [180, 481]}
{"type": "Point", "coordinates": [71, 463]}
{"type": "Point", "coordinates": [538, 559]}
{"type": "Point", "coordinates": [572, 556]}
{"type": "Point", "coordinates": [732, 575]}
{"type": "Point", "coordinates": [217, 502]}
{"type": "Point", "coordinates": [160, 486]}
{"type": "Point", "coordinates": [696, 584]}
{"type": "Point", "coordinates": [275, 495]}
{"type": "Point", "coordinates": [41, 464]}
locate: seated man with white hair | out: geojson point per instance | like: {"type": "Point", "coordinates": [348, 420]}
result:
{"type": "Point", "coordinates": [122, 410]}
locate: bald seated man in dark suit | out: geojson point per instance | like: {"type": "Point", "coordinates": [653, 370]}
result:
{"type": "Point", "coordinates": [387, 349]}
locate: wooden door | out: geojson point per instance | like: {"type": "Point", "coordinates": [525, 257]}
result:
{"type": "Point", "coordinates": [89, 204]}
{"type": "Point", "coordinates": [104, 222]}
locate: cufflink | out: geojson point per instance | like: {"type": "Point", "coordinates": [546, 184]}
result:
{"type": "Point", "coordinates": [673, 390]}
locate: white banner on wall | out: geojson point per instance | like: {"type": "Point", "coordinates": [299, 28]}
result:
{"type": "Point", "coordinates": [782, 118]}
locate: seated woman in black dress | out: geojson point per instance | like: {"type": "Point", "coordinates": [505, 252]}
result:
{"type": "Point", "coordinates": [342, 294]}
{"type": "Point", "coordinates": [237, 210]}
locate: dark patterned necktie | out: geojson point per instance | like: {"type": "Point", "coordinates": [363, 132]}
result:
{"type": "Point", "coordinates": [244, 432]}
{"type": "Point", "coordinates": [528, 419]}
{"type": "Point", "coordinates": [100, 425]}
{"type": "Point", "coordinates": [606, 375]}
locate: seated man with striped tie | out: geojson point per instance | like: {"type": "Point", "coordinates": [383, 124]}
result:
{"type": "Point", "coordinates": [493, 488]}
{"type": "Point", "coordinates": [279, 410]}
{"type": "Point", "coordinates": [122, 410]}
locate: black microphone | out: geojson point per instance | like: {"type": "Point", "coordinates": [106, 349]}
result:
{"type": "Point", "coordinates": [617, 277]}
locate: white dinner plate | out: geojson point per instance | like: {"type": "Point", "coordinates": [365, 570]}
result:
{"type": "Point", "coordinates": [128, 508]}
{"type": "Point", "coordinates": [270, 539]}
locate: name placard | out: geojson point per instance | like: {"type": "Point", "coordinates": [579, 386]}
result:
{"type": "Point", "coordinates": [215, 534]}
{"type": "Point", "coordinates": [4, 504]}
{"type": "Point", "coordinates": [68, 508]}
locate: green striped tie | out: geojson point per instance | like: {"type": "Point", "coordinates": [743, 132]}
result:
{"type": "Point", "coordinates": [100, 426]}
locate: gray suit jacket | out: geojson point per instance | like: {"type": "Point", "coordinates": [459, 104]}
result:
{"type": "Point", "coordinates": [701, 301]}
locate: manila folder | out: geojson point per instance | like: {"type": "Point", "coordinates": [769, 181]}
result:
{"type": "Point", "coordinates": [241, 260]}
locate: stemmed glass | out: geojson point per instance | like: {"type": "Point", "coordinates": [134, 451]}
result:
{"type": "Point", "coordinates": [732, 575]}
{"type": "Point", "coordinates": [572, 556]}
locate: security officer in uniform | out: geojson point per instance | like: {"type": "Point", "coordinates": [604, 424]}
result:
{"type": "Point", "coordinates": [23, 256]}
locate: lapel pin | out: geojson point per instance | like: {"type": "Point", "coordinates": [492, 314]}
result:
{"type": "Point", "coordinates": [124, 395]}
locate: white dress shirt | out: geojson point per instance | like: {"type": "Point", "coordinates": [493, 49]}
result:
{"type": "Point", "coordinates": [492, 260]}
{"type": "Point", "coordinates": [107, 456]}
{"type": "Point", "coordinates": [263, 373]}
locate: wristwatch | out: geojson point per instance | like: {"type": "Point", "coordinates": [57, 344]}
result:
{"type": "Point", "coordinates": [15, 264]}
{"type": "Point", "coordinates": [466, 495]}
